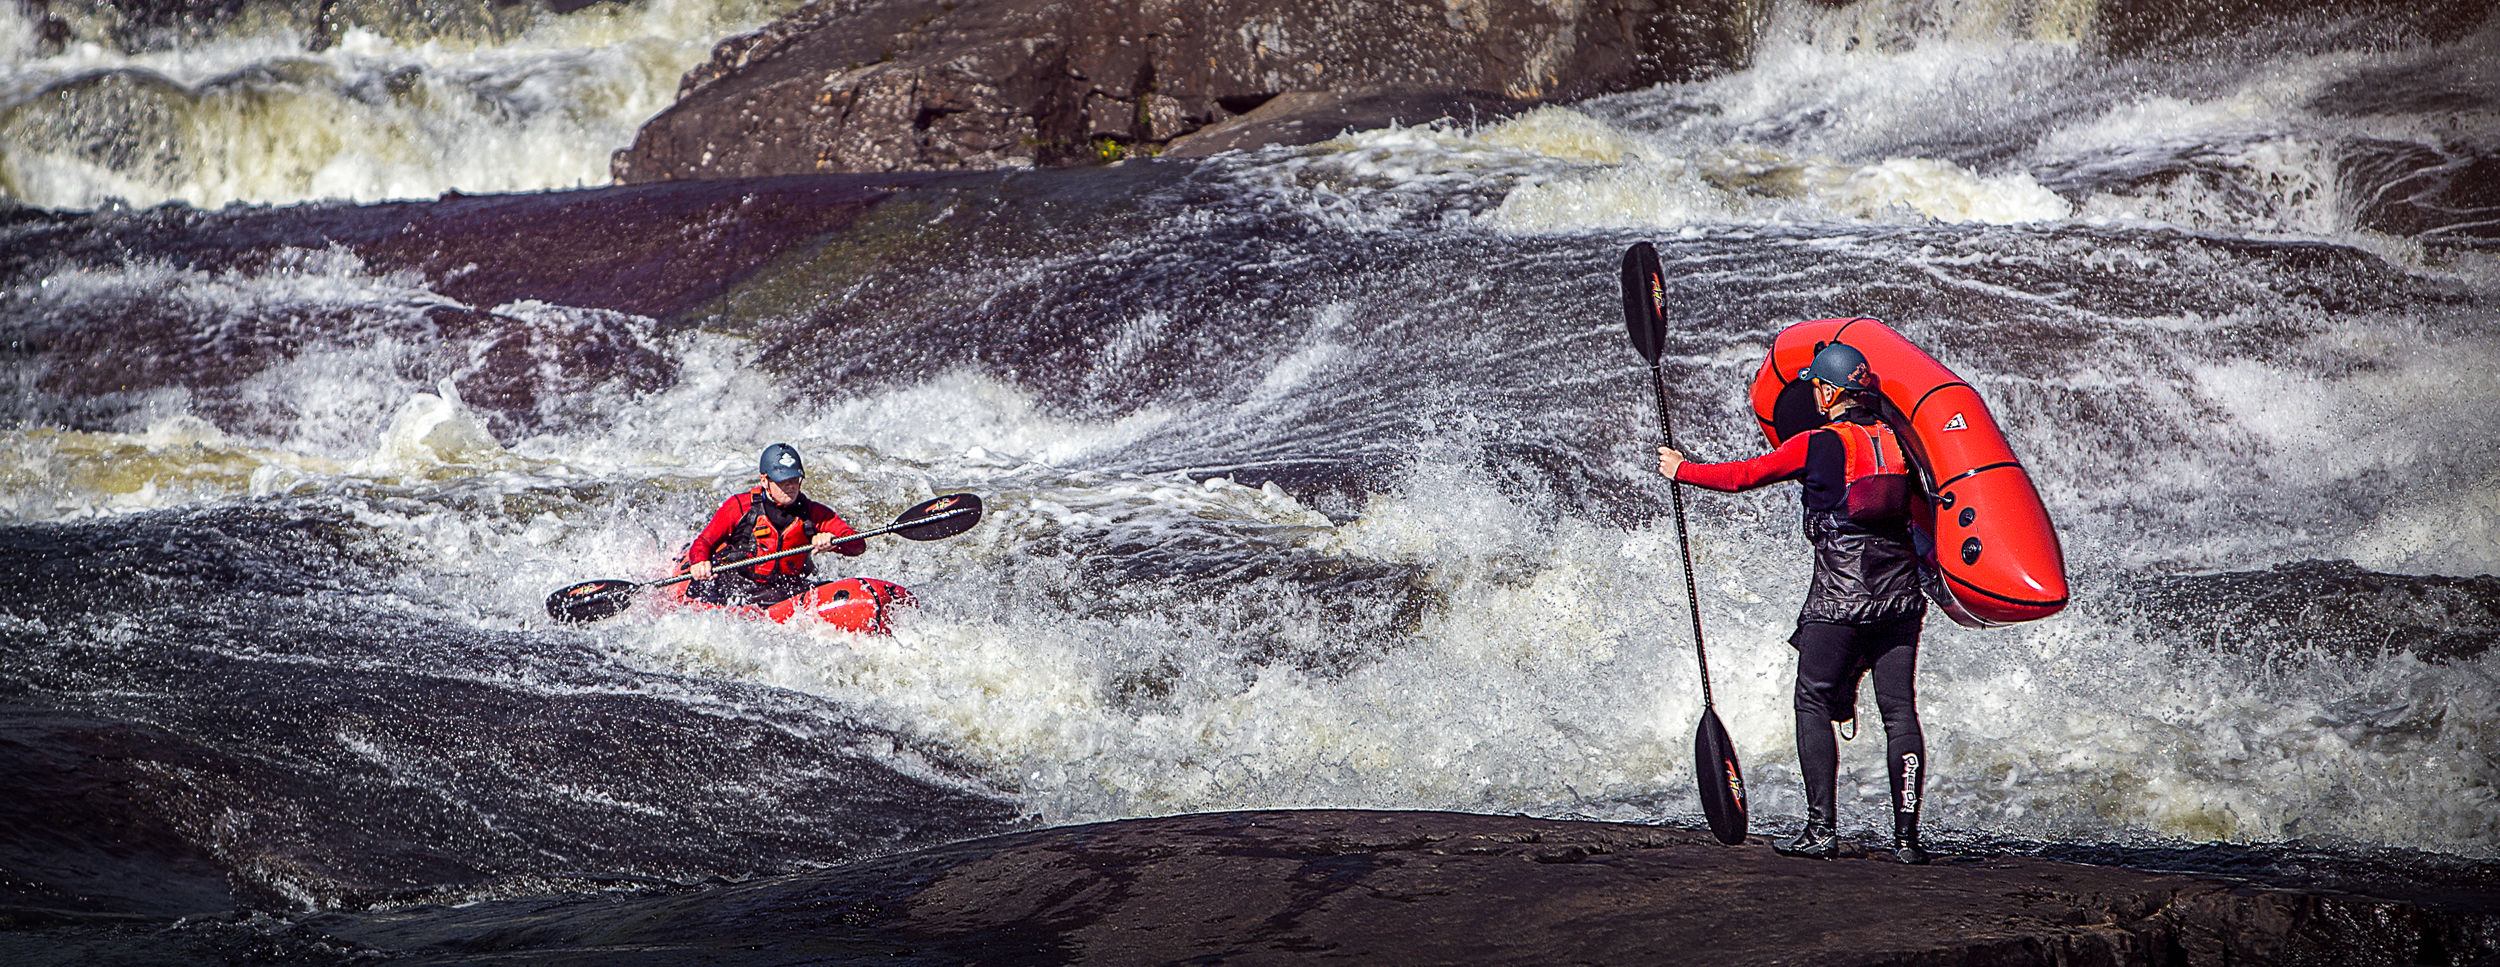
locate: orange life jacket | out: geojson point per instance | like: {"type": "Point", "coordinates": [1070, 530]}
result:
{"type": "Point", "coordinates": [755, 536]}
{"type": "Point", "coordinates": [1866, 561]}
{"type": "Point", "coordinates": [1878, 471]}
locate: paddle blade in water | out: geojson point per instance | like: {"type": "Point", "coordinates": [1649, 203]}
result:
{"type": "Point", "coordinates": [1722, 783]}
{"type": "Point", "coordinates": [1644, 299]}
{"type": "Point", "coordinates": [953, 514]}
{"type": "Point", "coordinates": [591, 601]}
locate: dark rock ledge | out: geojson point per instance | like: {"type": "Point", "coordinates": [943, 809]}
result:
{"type": "Point", "coordinates": [1433, 888]}
{"type": "Point", "coordinates": [917, 85]}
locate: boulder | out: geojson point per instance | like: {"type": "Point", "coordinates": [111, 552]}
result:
{"type": "Point", "coordinates": [896, 85]}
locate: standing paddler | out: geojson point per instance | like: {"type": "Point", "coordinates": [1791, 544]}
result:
{"type": "Point", "coordinates": [1864, 606]}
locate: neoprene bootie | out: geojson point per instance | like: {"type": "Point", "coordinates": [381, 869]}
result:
{"type": "Point", "coordinates": [1818, 841]}
{"type": "Point", "coordinates": [1905, 848]}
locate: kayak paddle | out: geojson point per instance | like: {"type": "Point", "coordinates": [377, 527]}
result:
{"type": "Point", "coordinates": [930, 520]}
{"type": "Point", "coordinates": [1714, 754]}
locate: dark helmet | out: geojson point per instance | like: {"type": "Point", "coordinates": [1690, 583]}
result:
{"type": "Point", "coordinates": [1841, 366]}
{"type": "Point", "coordinates": [781, 463]}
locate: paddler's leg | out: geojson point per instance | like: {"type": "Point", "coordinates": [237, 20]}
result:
{"type": "Point", "coordinates": [731, 591]}
{"type": "Point", "coordinates": [780, 588]}
{"type": "Point", "coordinates": [716, 590]}
{"type": "Point", "coordinates": [1905, 745]}
{"type": "Point", "coordinates": [1825, 665]}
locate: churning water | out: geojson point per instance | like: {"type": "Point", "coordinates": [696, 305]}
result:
{"type": "Point", "coordinates": [1318, 476]}
{"type": "Point", "coordinates": [367, 102]}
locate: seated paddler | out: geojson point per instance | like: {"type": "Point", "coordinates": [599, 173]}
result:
{"type": "Point", "coordinates": [774, 516]}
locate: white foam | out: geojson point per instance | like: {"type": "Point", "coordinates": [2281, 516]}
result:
{"type": "Point", "coordinates": [258, 118]}
{"type": "Point", "coordinates": [1802, 136]}
{"type": "Point", "coordinates": [1549, 670]}
{"type": "Point", "coordinates": [1874, 111]}
{"type": "Point", "coordinates": [1948, 193]}
{"type": "Point", "coordinates": [1555, 674]}
{"type": "Point", "coordinates": [175, 462]}
{"type": "Point", "coordinates": [431, 432]}
{"type": "Point", "coordinates": [1448, 720]}
{"type": "Point", "coordinates": [2391, 418]}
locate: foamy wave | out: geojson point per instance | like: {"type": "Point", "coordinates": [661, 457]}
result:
{"type": "Point", "coordinates": [1760, 186]}
{"type": "Point", "coordinates": [260, 119]}
{"type": "Point", "coordinates": [1553, 674]}
{"type": "Point", "coordinates": [181, 461]}
{"type": "Point", "coordinates": [1561, 170]}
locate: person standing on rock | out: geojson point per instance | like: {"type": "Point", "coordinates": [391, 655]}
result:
{"type": "Point", "coordinates": [1864, 606]}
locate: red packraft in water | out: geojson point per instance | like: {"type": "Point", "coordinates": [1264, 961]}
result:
{"type": "Point", "coordinates": [864, 605]}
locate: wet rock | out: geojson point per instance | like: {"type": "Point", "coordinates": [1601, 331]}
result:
{"type": "Point", "coordinates": [892, 85]}
{"type": "Point", "coordinates": [1437, 888]}
{"type": "Point", "coordinates": [1304, 117]}
{"type": "Point", "coordinates": [2335, 609]}
{"type": "Point", "coordinates": [2148, 27]}
{"type": "Point", "coordinates": [69, 772]}
{"type": "Point", "coordinates": [2426, 191]}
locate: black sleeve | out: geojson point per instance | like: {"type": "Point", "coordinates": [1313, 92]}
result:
{"type": "Point", "coordinates": [1827, 472]}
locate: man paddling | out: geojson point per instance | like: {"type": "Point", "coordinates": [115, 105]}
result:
{"type": "Point", "coordinates": [1864, 606]}
{"type": "Point", "coordinates": [775, 516]}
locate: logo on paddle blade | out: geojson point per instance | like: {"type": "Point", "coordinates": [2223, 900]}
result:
{"type": "Point", "coordinates": [1735, 782]}
{"type": "Point", "coordinates": [1956, 423]}
{"type": "Point", "coordinates": [1658, 294]}
{"type": "Point", "coordinates": [943, 504]}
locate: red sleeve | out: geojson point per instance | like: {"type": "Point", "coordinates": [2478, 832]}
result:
{"type": "Point", "coordinates": [1786, 463]}
{"type": "Point", "coordinates": [828, 522]}
{"type": "Point", "coordinates": [722, 520]}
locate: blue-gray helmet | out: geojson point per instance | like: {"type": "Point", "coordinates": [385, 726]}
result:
{"type": "Point", "coordinates": [781, 463]}
{"type": "Point", "coordinates": [1841, 366]}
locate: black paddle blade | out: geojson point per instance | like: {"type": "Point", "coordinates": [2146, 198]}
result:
{"type": "Point", "coordinates": [1645, 299]}
{"type": "Point", "coordinates": [956, 514]}
{"type": "Point", "coordinates": [1722, 783]}
{"type": "Point", "coordinates": [591, 601]}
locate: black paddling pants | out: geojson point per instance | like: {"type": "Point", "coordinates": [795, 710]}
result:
{"type": "Point", "coordinates": [737, 590]}
{"type": "Point", "coordinates": [1831, 659]}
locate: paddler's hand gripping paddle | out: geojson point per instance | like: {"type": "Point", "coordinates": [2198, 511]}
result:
{"type": "Point", "coordinates": [932, 519]}
{"type": "Point", "coordinates": [1714, 755]}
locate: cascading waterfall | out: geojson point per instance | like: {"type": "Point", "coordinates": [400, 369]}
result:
{"type": "Point", "coordinates": [382, 107]}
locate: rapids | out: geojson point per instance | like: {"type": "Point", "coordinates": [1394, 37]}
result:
{"type": "Point", "coordinates": [1317, 476]}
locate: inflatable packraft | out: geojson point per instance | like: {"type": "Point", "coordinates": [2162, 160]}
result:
{"type": "Point", "coordinates": [1995, 555]}
{"type": "Point", "coordinates": [853, 604]}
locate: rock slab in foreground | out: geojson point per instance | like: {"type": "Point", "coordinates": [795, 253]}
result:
{"type": "Point", "coordinates": [1435, 888]}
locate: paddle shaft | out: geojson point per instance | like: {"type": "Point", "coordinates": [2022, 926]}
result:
{"type": "Point", "coordinates": [778, 555]}
{"type": "Point", "coordinates": [1675, 493]}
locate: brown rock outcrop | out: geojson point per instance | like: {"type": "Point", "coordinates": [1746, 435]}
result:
{"type": "Point", "coordinates": [1439, 888]}
{"type": "Point", "coordinates": [894, 85]}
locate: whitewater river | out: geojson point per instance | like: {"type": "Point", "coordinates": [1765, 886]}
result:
{"type": "Point", "coordinates": [1316, 476]}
